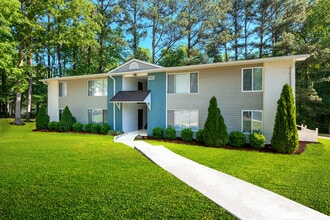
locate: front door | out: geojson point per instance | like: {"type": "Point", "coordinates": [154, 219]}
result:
{"type": "Point", "coordinates": [140, 119]}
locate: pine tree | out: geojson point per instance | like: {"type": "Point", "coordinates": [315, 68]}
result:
{"type": "Point", "coordinates": [285, 134]}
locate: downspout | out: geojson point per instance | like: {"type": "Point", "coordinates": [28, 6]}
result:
{"type": "Point", "coordinates": [114, 106]}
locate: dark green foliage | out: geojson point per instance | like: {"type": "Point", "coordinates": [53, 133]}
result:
{"type": "Point", "coordinates": [95, 128]}
{"type": "Point", "coordinates": [66, 121]}
{"type": "Point", "coordinates": [77, 127]}
{"type": "Point", "coordinates": [105, 128]}
{"type": "Point", "coordinates": [257, 140]}
{"type": "Point", "coordinates": [42, 118]}
{"type": "Point", "coordinates": [236, 138]}
{"type": "Point", "coordinates": [158, 133]}
{"type": "Point", "coordinates": [223, 135]}
{"type": "Point", "coordinates": [215, 130]}
{"type": "Point", "coordinates": [200, 136]}
{"type": "Point", "coordinates": [170, 133]}
{"type": "Point", "coordinates": [54, 126]}
{"type": "Point", "coordinates": [88, 127]}
{"type": "Point", "coordinates": [285, 133]}
{"type": "Point", "coordinates": [187, 135]}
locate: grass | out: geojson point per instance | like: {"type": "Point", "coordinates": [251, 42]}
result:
{"type": "Point", "coordinates": [303, 178]}
{"type": "Point", "coordinates": [76, 176]}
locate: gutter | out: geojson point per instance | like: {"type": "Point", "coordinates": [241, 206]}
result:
{"type": "Point", "coordinates": [114, 106]}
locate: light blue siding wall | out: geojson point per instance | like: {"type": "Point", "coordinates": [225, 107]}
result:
{"type": "Point", "coordinates": [157, 114]}
{"type": "Point", "coordinates": [118, 113]}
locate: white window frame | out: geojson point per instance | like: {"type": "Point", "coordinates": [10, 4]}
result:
{"type": "Point", "coordinates": [62, 90]}
{"type": "Point", "coordinates": [105, 88]}
{"type": "Point", "coordinates": [184, 73]}
{"type": "Point", "coordinates": [193, 128]}
{"type": "Point", "coordinates": [262, 77]}
{"type": "Point", "coordinates": [252, 119]}
{"type": "Point", "coordinates": [90, 120]}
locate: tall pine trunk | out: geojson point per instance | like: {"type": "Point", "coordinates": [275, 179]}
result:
{"type": "Point", "coordinates": [29, 95]}
{"type": "Point", "coordinates": [18, 119]}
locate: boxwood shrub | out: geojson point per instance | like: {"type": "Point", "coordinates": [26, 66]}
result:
{"type": "Point", "coordinates": [200, 136]}
{"type": "Point", "coordinates": [236, 139]}
{"type": "Point", "coordinates": [105, 128]}
{"type": "Point", "coordinates": [54, 126]}
{"type": "Point", "coordinates": [257, 140]}
{"type": "Point", "coordinates": [170, 133]}
{"type": "Point", "coordinates": [187, 135]}
{"type": "Point", "coordinates": [77, 127]}
{"type": "Point", "coordinates": [95, 128]}
{"type": "Point", "coordinates": [158, 133]}
{"type": "Point", "coordinates": [88, 127]}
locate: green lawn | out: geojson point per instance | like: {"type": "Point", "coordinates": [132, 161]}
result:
{"type": "Point", "coordinates": [75, 176]}
{"type": "Point", "coordinates": [303, 178]}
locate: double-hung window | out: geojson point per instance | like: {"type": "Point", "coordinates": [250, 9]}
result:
{"type": "Point", "coordinates": [183, 83]}
{"type": "Point", "coordinates": [98, 87]}
{"type": "Point", "coordinates": [181, 119]}
{"type": "Point", "coordinates": [252, 121]}
{"type": "Point", "coordinates": [62, 89]}
{"type": "Point", "coordinates": [252, 79]}
{"type": "Point", "coordinates": [97, 116]}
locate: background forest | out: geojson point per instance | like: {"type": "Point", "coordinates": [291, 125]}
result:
{"type": "Point", "coordinates": [54, 38]}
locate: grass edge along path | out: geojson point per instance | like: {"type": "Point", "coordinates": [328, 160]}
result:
{"type": "Point", "coordinates": [82, 176]}
{"type": "Point", "coordinates": [303, 178]}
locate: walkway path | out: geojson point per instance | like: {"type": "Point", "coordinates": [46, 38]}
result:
{"type": "Point", "coordinates": [242, 199]}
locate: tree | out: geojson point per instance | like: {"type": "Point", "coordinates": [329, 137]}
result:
{"type": "Point", "coordinates": [215, 131]}
{"type": "Point", "coordinates": [42, 118]}
{"type": "Point", "coordinates": [285, 133]}
{"type": "Point", "coordinates": [176, 56]}
{"type": "Point", "coordinates": [67, 120]}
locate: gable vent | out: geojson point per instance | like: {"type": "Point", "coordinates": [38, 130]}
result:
{"type": "Point", "coordinates": [133, 66]}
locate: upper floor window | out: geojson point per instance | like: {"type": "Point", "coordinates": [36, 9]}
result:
{"type": "Point", "coordinates": [252, 79]}
{"type": "Point", "coordinates": [98, 87]}
{"type": "Point", "coordinates": [62, 89]}
{"type": "Point", "coordinates": [183, 83]}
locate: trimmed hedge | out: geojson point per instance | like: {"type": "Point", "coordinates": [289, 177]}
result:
{"type": "Point", "coordinates": [88, 127]}
{"type": "Point", "coordinates": [54, 126]}
{"type": "Point", "coordinates": [257, 140]}
{"type": "Point", "coordinates": [170, 133]}
{"type": "Point", "coordinates": [187, 135]}
{"type": "Point", "coordinates": [236, 138]}
{"type": "Point", "coordinates": [200, 136]}
{"type": "Point", "coordinates": [77, 127]}
{"type": "Point", "coordinates": [158, 133]}
{"type": "Point", "coordinates": [105, 128]}
{"type": "Point", "coordinates": [95, 128]}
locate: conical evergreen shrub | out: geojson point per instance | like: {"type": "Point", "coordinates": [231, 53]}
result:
{"type": "Point", "coordinates": [42, 118]}
{"type": "Point", "coordinates": [285, 133]}
{"type": "Point", "coordinates": [67, 120]}
{"type": "Point", "coordinates": [215, 130]}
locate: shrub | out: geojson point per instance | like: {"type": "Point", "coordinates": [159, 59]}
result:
{"type": "Point", "coordinates": [215, 130]}
{"type": "Point", "coordinates": [88, 127]}
{"type": "Point", "coordinates": [42, 118]}
{"type": "Point", "coordinates": [105, 128]}
{"type": "Point", "coordinates": [285, 133]}
{"type": "Point", "coordinates": [158, 133]}
{"type": "Point", "coordinates": [187, 135]}
{"type": "Point", "coordinates": [257, 140]}
{"type": "Point", "coordinates": [170, 133]}
{"type": "Point", "coordinates": [77, 127]}
{"type": "Point", "coordinates": [236, 138]}
{"type": "Point", "coordinates": [54, 125]}
{"type": "Point", "coordinates": [200, 135]}
{"type": "Point", "coordinates": [95, 128]}
{"type": "Point", "coordinates": [66, 121]}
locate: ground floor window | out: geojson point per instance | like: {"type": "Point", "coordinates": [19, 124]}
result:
{"type": "Point", "coordinates": [251, 121]}
{"type": "Point", "coordinates": [180, 119]}
{"type": "Point", "coordinates": [60, 113]}
{"type": "Point", "coordinates": [97, 116]}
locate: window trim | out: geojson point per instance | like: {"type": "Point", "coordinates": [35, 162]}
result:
{"type": "Point", "coordinates": [65, 92]}
{"type": "Point", "coordinates": [242, 120]}
{"type": "Point", "coordinates": [93, 109]}
{"type": "Point", "coordinates": [106, 80]}
{"type": "Point", "coordinates": [182, 73]}
{"type": "Point", "coordinates": [262, 79]}
{"type": "Point", "coordinates": [167, 122]}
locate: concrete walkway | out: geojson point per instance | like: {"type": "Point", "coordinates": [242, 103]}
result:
{"type": "Point", "coordinates": [240, 198]}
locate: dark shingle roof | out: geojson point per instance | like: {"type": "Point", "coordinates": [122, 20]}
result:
{"type": "Point", "coordinates": [130, 96]}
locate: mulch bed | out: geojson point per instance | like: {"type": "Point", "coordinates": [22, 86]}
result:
{"type": "Point", "coordinates": [246, 147]}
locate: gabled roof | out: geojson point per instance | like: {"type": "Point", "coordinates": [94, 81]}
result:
{"type": "Point", "coordinates": [135, 65]}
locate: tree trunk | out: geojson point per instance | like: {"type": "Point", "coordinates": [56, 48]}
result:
{"type": "Point", "coordinates": [18, 119]}
{"type": "Point", "coordinates": [29, 96]}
